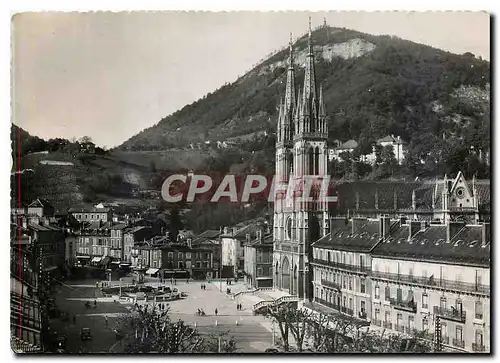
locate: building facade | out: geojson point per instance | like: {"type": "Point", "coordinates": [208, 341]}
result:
{"type": "Point", "coordinates": [92, 214]}
{"type": "Point", "coordinates": [258, 268]}
{"type": "Point", "coordinates": [408, 277]}
{"type": "Point", "coordinates": [301, 155]}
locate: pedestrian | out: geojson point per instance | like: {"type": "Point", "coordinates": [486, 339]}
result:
{"type": "Point", "coordinates": [216, 311]}
{"type": "Point", "coordinates": [95, 304]}
{"type": "Point", "coordinates": [187, 281]}
{"type": "Point", "coordinates": [106, 320]}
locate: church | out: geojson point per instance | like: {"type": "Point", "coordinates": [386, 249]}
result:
{"type": "Point", "coordinates": [301, 152]}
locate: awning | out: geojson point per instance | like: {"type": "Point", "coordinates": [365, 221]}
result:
{"type": "Point", "coordinates": [83, 257]}
{"type": "Point", "coordinates": [152, 271]}
{"type": "Point", "coordinates": [96, 259]}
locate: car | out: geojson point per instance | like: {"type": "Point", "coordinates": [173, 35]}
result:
{"type": "Point", "coordinates": [85, 334]}
{"type": "Point", "coordinates": [272, 350]}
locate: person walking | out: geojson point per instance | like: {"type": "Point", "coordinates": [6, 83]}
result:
{"type": "Point", "coordinates": [216, 311]}
{"type": "Point", "coordinates": [106, 320]}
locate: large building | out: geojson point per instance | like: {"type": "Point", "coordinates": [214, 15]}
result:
{"type": "Point", "coordinates": [301, 152]}
{"type": "Point", "coordinates": [409, 276]}
{"type": "Point", "coordinates": [258, 267]}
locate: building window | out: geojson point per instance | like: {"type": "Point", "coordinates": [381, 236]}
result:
{"type": "Point", "coordinates": [344, 280]}
{"type": "Point", "coordinates": [387, 293]}
{"type": "Point", "coordinates": [442, 302]}
{"type": "Point", "coordinates": [425, 323]}
{"type": "Point", "coordinates": [399, 319]}
{"type": "Point", "coordinates": [154, 263]}
{"type": "Point", "coordinates": [459, 333]}
{"type": "Point", "coordinates": [444, 329]}
{"type": "Point", "coordinates": [188, 255]}
{"type": "Point", "coordinates": [478, 309]}
{"type": "Point", "coordinates": [350, 283]}
{"type": "Point", "coordinates": [351, 304]}
{"type": "Point", "coordinates": [387, 316]}
{"type": "Point", "coordinates": [180, 256]}
{"type": "Point", "coordinates": [411, 323]}
{"type": "Point", "coordinates": [377, 314]}
{"type": "Point", "coordinates": [479, 338]}
{"type": "Point", "coordinates": [377, 292]}
{"type": "Point", "coordinates": [363, 285]}
{"type": "Point", "coordinates": [363, 306]}
{"type": "Point", "coordinates": [399, 295]}
{"type": "Point", "coordinates": [259, 271]}
{"type": "Point", "coordinates": [345, 302]}
{"type": "Point", "coordinates": [170, 255]}
{"type": "Point", "coordinates": [198, 264]}
{"type": "Point", "coordinates": [425, 301]}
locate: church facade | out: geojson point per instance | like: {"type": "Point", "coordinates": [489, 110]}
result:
{"type": "Point", "coordinates": [301, 156]}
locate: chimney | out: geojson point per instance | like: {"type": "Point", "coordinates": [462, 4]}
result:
{"type": "Point", "coordinates": [486, 233]}
{"type": "Point", "coordinates": [452, 229]}
{"type": "Point", "coordinates": [357, 223]}
{"type": "Point", "coordinates": [248, 237]}
{"type": "Point", "coordinates": [414, 227]}
{"type": "Point", "coordinates": [226, 230]}
{"type": "Point", "coordinates": [384, 226]}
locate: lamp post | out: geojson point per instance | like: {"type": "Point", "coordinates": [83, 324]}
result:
{"type": "Point", "coordinates": [120, 295]}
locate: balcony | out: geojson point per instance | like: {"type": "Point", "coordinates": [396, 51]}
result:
{"type": "Point", "coordinates": [409, 306]}
{"type": "Point", "coordinates": [458, 343]}
{"type": "Point", "coordinates": [450, 314]}
{"type": "Point", "coordinates": [343, 266]}
{"type": "Point", "coordinates": [333, 285]}
{"type": "Point", "coordinates": [328, 304]}
{"type": "Point", "coordinates": [432, 282]}
{"type": "Point", "coordinates": [478, 347]}
{"type": "Point", "coordinates": [346, 310]}
{"type": "Point", "coordinates": [387, 325]}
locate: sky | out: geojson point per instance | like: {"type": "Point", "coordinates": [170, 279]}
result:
{"type": "Point", "coordinates": [111, 75]}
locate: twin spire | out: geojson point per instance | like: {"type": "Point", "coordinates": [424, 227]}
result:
{"type": "Point", "coordinates": [301, 112]}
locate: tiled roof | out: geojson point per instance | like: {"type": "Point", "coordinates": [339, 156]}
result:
{"type": "Point", "coordinates": [89, 210]}
{"type": "Point", "coordinates": [385, 191]}
{"type": "Point", "coordinates": [431, 244]}
{"type": "Point", "coordinates": [208, 234]}
{"type": "Point", "coordinates": [366, 236]}
{"type": "Point", "coordinates": [41, 228]}
{"type": "Point", "coordinates": [350, 144]}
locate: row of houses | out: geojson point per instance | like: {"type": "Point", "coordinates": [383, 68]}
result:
{"type": "Point", "coordinates": [399, 148]}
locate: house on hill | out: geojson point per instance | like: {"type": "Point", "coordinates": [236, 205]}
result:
{"type": "Point", "coordinates": [347, 146]}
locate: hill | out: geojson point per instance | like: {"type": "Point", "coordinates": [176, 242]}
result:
{"type": "Point", "coordinates": [67, 177]}
{"type": "Point", "coordinates": [438, 102]}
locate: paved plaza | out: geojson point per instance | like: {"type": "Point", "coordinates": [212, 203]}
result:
{"type": "Point", "coordinates": [253, 333]}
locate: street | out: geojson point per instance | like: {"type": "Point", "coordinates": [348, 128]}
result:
{"type": "Point", "coordinates": [247, 329]}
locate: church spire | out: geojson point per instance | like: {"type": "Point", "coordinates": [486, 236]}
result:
{"type": "Point", "coordinates": [290, 87]}
{"type": "Point", "coordinates": [309, 100]}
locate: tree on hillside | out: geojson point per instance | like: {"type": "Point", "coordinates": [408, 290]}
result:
{"type": "Point", "coordinates": [85, 139]}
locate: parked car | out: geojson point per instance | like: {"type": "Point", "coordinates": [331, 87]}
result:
{"type": "Point", "coordinates": [85, 334]}
{"type": "Point", "coordinates": [272, 350]}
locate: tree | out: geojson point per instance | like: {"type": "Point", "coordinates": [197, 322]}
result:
{"type": "Point", "coordinates": [85, 139]}
{"type": "Point", "coordinates": [148, 330]}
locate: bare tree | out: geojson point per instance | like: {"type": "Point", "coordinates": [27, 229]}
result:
{"type": "Point", "coordinates": [149, 330]}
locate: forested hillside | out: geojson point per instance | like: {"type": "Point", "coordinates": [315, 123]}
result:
{"type": "Point", "coordinates": [438, 102]}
